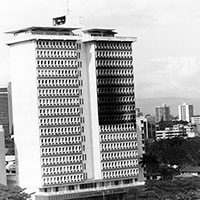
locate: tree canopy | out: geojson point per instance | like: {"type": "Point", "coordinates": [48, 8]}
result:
{"type": "Point", "coordinates": [178, 151]}
{"type": "Point", "coordinates": [168, 156]}
{"type": "Point", "coordinates": [177, 189]}
{"type": "Point", "coordinates": [13, 193]}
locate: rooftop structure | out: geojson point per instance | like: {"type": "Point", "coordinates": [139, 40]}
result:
{"type": "Point", "coordinates": [191, 171]}
{"type": "Point", "coordinates": [103, 32]}
{"type": "Point", "coordinates": [44, 30]}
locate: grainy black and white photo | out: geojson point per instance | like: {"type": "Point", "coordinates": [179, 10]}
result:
{"type": "Point", "coordinates": [100, 100]}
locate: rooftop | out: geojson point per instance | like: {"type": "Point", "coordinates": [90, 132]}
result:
{"type": "Point", "coordinates": [191, 169]}
{"type": "Point", "coordinates": [73, 33]}
{"type": "Point", "coordinates": [43, 29]}
{"type": "Point", "coordinates": [100, 31]}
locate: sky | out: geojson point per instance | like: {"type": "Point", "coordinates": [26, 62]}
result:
{"type": "Point", "coordinates": [167, 51]}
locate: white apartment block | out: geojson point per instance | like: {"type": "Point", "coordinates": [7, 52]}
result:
{"type": "Point", "coordinates": [74, 111]}
{"type": "Point", "coordinates": [185, 112]}
{"type": "Point", "coordinates": [170, 132]}
{"type": "Point", "coordinates": [179, 130]}
{"type": "Point", "coordinates": [2, 157]}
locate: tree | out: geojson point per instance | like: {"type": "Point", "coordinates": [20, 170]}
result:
{"type": "Point", "coordinates": [13, 193]}
{"type": "Point", "coordinates": [151, 163]}
{"type": "Point", "coordinates": [161, 156]}
{"type": "Point", "coordinates": [178, 189]}
{"type": "Point", "coordinates": [181, 188]}
{"type": "Point", "coordinates": [134, 193]}
{"type": "Point", "coordinates": [176, 151]}
{"type": "Point", "coordinates": [167, 172]}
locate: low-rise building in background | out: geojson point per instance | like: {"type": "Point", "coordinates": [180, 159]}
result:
{"type": "Point", "coordinates": [170, 132]}
{"type": "Point", "coordinates": [195, 119]}
{"type": "Point", "coordinates": [138, 113]}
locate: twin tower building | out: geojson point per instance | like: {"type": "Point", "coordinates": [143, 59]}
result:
{"type": "Point", "coordinates": [74, 111]}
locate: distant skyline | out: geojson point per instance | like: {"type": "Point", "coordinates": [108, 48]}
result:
{"type": "Point", "coordinates": [167, 59]}
{"type": "Point", "coordinates": [148, 105]}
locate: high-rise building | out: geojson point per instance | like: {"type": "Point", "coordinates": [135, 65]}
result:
{"type": "Point", "coordinates": [74, 111]}
{"type": "Point", "coordinates": [147, 125]}
{"type": "Point", "coordinates": [6, 109]}
{"type": "Point", "coordinates": [2, 157]}
{"type": "Point", "coordinates": [150, 127]}
{"type": "Point", "coordinates": [162, 113]}
{"type": "Point", "coordinates": [185, 112]}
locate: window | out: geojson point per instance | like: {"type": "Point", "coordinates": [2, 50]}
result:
{"type": "Point", "coordinates": [71, 187]}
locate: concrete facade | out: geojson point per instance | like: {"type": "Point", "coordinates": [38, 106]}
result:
{"type": "Point", "coordinates": [75, 126]}
{"type": "Point", "coordinates": [185, 112]}
{"type": "Point", "coordinates": [2, 157]}
{"type": "Point", "coordinates": [6, 110]}
{"type": "Point", "coordinates": [162, 113]}
{"type": "Point", "coordinates": [170, 132]}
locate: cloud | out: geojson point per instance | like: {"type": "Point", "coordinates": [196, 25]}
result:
{"type": "Point", "coordinates": [163, 27]}
{"type": "Point", "coordinates": [170, 76]}
{"type": "Point", "coordinates": [171, 12]}
{"type": "Point", "coordinates": [141, 13]}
